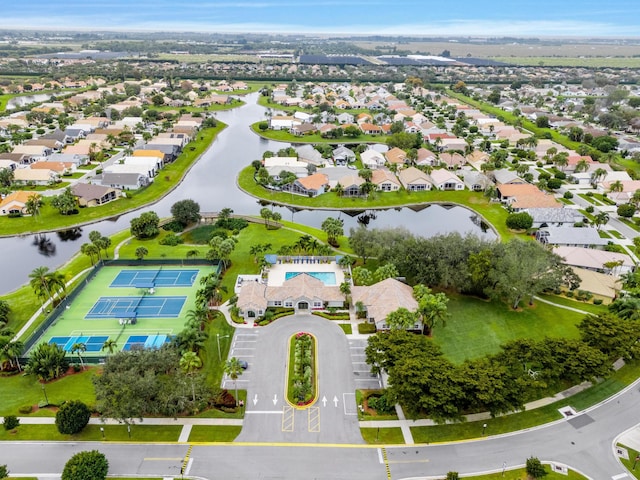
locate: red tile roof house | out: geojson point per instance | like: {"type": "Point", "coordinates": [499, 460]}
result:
{"type": "Point", "coordinates": [312, 186]}
{"type": "Point", "coordinates": [385, 181]}
{"type": "Point", "coordinates": [396, 156]}
{"type": "Point", "coordinates": [370, 129]}
{"type": "Point", "coordinates": [15, 203]}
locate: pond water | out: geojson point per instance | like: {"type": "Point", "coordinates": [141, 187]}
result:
{"type": "Point", "coordinates": [212, 183]}
{"type": "Point", "coordinates": [23, 100]}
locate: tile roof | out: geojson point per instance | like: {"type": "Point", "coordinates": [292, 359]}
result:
{"type": "Point", "coordinates": [384, 297]}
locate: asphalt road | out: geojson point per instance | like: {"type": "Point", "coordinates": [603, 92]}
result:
{"type": "Point", "coordinates": [269, 417]}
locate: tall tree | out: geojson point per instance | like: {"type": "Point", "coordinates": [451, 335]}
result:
{"type": "Point", "coordinates": [186, 212]}
{"type": "Point", "coordinates": [189, 363]}
{"type": "Point", "coordinates": [66, 203]}
{"type": "Point", "coordinates": [334, 228]}
{"type": "Point", "coordinates": [47, 361]}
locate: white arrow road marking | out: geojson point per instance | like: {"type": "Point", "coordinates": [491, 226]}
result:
{"type": "Point", "coordinates": [335, 400]}
{"type": "Point", "coordinates": [255, 399]}
{"type": "Point", "coordinates": [324, 401]}
{"type": "Point", "coordinates": [275, 399]}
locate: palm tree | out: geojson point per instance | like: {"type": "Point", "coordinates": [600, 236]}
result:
{"type": "Point", "coordinates": [581, 166]}
{"type": "Point", "coordinates": [233, 369]}
{"type": "Point", "coordinates": [600, 219]}
{"type": "Point", "coordinates": [141, 252]}
{"type": "Point", "coordinates": [598, 175]}
{"type": "Point", "coordinates": [616, 186]}
{"type": "Point", "coordinates": [33, 204]}
{"type": "Point", "coordinates": [13, 349]}
{"type": "Point", "coordinates": [345, 289]}
{"type": "Point", "coordinates": [79, 348]}
{"type": "Point", "coordinates": [198, 316]}
{"type": "Point", "coordinates": [190, 362]}
{"type": "Point", "coordinates": [91, 251]}
{"type": "Point", "coordinates": [40, 282]}
{"type": "Point", "coordinates": [110, 345]}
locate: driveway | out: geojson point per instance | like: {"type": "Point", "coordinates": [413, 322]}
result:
{"type": "Point", "coordinates": [268, 417]}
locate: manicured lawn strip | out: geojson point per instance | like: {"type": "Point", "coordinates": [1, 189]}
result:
{"type": "Point", "coordinates": [169, 178]}
{"type": "Point", "coordinates": [295, 369]}
{"type": "Point", "coordinates": [382, 436]}
{"type": "Point", "coordinates": [346, 328]}
{"type": "Point", "coordinates": [493, 213]}
{"type": "Point", "coordinates": [629, 463]}
{"type": "Point", "coordinates": [212, 108]}
{"type": "Point", "coordinates": [629, 223]}
{"type": "Point", "coordinates": [92, 433]}
{"type": "Point", "coordinates": [477, 327]}
{"type": "Point", "coordinates": [267, 103]}
{"type": "Point", "coordinates": [285, 136]}
{"type": "Point", "coordinates": [209, 355]}
{"type": "Point", "coordinates": [157, 251]}
{"type": "Point", "coordinates": [521, 474]}
{"type": "Point", "coordinates": [343, 240]}
{"type": "Point", "coordinates": [589, 198]}
{"type": "Point", "coordinates": [206, 433]}
{"type": "Point", "coordinates": [616, 234]}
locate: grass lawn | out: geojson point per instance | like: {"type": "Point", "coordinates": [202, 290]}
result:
{"type": "Point", "coordinates": [629, 223]}
{"type": "Point", "coordinates": [476, 327]}
{"type": "Point", "coordinates": [285, 136]}
{"type": "Point", "coordinates": [206, 433]}
{"type": "Point", "coordinates": [589, 198]}
{"type": "Point", "coordinates": [168, 179]}
{"type": "Point", "coordinates": [18, 391]}
{"type": "Point", "coordinates": [629, 463]}
{"type": "Point", "coordinates": [521, 474]}
{"type": "Point", "coordinates": [346, 328]}
{"type": "Point", "coordinates": [570, 302]}
{"type": "Point", "coordinates": [382, 436]}
{"type": "Point", "coordinates": [92, 433]}
{"type": "Point", "coordinates": [493, 213]}
{"type": "Point", "coordinates": [616, 234]}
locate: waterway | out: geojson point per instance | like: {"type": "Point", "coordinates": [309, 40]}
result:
{"type": "Point", "coordinates": [212, 183]}
{"type": "Point", "coordinates": [23, 100]}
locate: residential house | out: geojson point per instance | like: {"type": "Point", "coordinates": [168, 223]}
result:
{"type": "Point", "coordinates": [32, 153]}
{"type": "Point", "coordinates": [124, 180]}
{"type": "Point", "coordinates": [90, 195]}
{"type": "Point", "coordinates": [382, 298]}
{"type": "Point", "coordinates": [60, 168]}
{"type": "Point", "coordinates": [445, 180]}
{"type": "Point", "coordinates": [414, 180]}
{"type": "Point", "coordinates": [629, 187]}
{"type": "Point", "coordinates": [311, 186]}
{"type": "Point", "coordinates": [345, 118]}
{"type": "Point", "coordinates": [453, 161]}
{"type": "Point", "coordinates": [152, 165]}
{"type": "Point", "coordinates": [372, 159]}
{"type": "Point", "coordinates": [385, 180]}
{"type": "Point", "coordinates": [504, 176]}
{"type": "Point", "coordinates": [370, 129]}
{"type": "Point", "coordinates": [343, 155]}
{"type": "Point", "coordinates": [474, 180]}
{"type": "Point", "coordinates": [27, 176]}
{"type": "Point", "coordinates": [15, 203]}
{"type": "Point", "coordinates": [574, 160]}
{"type": "Point", "coordinates": [351, 185]}
{"type": "Point", "coordinates": [303, 129]}
{"type": "Point", "coordinates": [282, 122]}
{"type": "Point", "coordinates": [611, 263]}
{"type": "Point", "coordinates": [603, 287]}
{"type": "Point", "coordinates": [396, 156]}
{"type": "Point", "coordinates": [554, 217]}
{"type": "Point", "coordinates": [309, 155]}
{"type": "Point", "coordinates": [426, 158]}
{"type": "Point", "coordinates": [571, 237]}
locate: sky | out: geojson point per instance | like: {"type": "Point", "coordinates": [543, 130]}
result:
{"type": "Point", "coordinates": [385, 17]}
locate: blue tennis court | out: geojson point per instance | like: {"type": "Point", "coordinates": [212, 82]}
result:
{"type": "Point", "coordinates": [92, 343]}
{"type": "Point", "coordinates": [145, 341]}
{"type": "Point", "coordinates": [137, 307]}
{"type": "Point", "coordinates": [155, 278]}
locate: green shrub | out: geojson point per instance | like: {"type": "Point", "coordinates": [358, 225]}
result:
{"type": "Point", "coordinates": [534, 468]}
{"type": "Point", "coordinates": [11, 422]}
{"type": "Point", "coordinates": [589, 194]}
{"type": "Point", "coordinates": [380, 404]}
{"type": "Point", "coordinates": [626, 210]}
{"type": "Point", "coordinates": [366, 328]}
{"type": "Point", "coordinates": [569, 294]}
{"type": "Point", "coordinates": [554, 183]}
{"type": "Point", "coordinates": [84, 465]}
{"type": "Point", "coordinates": [173, 226]}
{"type": "Point", "coordinates": [171, 240]}
{"type": "Point", "coordinates": [568, 195]}
{"type": "Point", "coordinates": [519, 221]}
{"type": "Point", "coordinates": [597, 301]}
{"type": "Point", "coordinates": [590, 209]}
{"type": "Point", "coordinates": [72, 417]}
{"type": "Point", "coordinates": [25, 409]}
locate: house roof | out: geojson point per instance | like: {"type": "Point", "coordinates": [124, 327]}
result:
{"type": "Point", "coordinates": [598, 283]}
{"type": "Point", "coordinates": [314, 182]}
{"type": "Point", "coordinates": [381, 175]}
{"type": "Point", "coordinates": [412, 175]}
{"type": "Point", "coordinates": [29, 175]}
{"type": "Point", "coordinates": [124, 178]}
{"type": "Point", "coordinates": [90, 191]}
{"type": "Point", "coordinates": [20, 196]}
{"type": "Point", "coordinates": [517, 189]}
{"type": "Point", "coordinates": [554, 215]}
{"type": "Point", "coordinates": [252, 295]}
{"type": "Point", "coordinates": [384, 297]}
{"type": "Point", "coordinates": [590, 257]}
{"type": "Point", "coordinates": [351, 180]}
{"type": "Point", "coordinates": [573, 236]}
{"type": "Point", "coordinates": [54, 166]}
{"type": "Point", "coordinates": [148, 153]}
{"type": "Point", "coordinates": [304, 285]}
{"type": "Point", "coordinates": [396, 155]}
{"type": "Point", "coordinates": [442, 175]}
{"type": "Point", "coordinates": [535, 201]}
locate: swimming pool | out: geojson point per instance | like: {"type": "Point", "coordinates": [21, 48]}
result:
{"type": "Point", "coordinates": [328, 278]}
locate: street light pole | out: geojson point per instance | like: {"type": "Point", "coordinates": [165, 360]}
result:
{"type": "Point", "coordinates": [484, 427]}
{"type": "Point", "coordinates": [45, 394]}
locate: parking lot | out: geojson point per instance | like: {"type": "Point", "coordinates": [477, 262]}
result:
{"type": "Point", "coordinates": [364, 379]}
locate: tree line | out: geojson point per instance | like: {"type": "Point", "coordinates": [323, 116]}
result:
{"type": "Point", "coordinates": [510, 272]}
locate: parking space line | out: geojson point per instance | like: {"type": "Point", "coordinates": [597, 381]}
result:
{"type": "Point", "coordinates": [287, 418]}
{"type": "Point", "coordinates": [314, 419]}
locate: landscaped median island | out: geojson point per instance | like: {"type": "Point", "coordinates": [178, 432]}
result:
{"type": "Point", "coordinates": [302, 378]}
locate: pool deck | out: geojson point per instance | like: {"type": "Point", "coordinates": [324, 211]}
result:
{"type": "Point", "coordinates": [278, 271]}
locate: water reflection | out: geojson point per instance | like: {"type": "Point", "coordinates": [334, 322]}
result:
{"type": "Point", "coordinates": [70, 235]}
{"type": "Point", "coordinates": [45, 246]}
